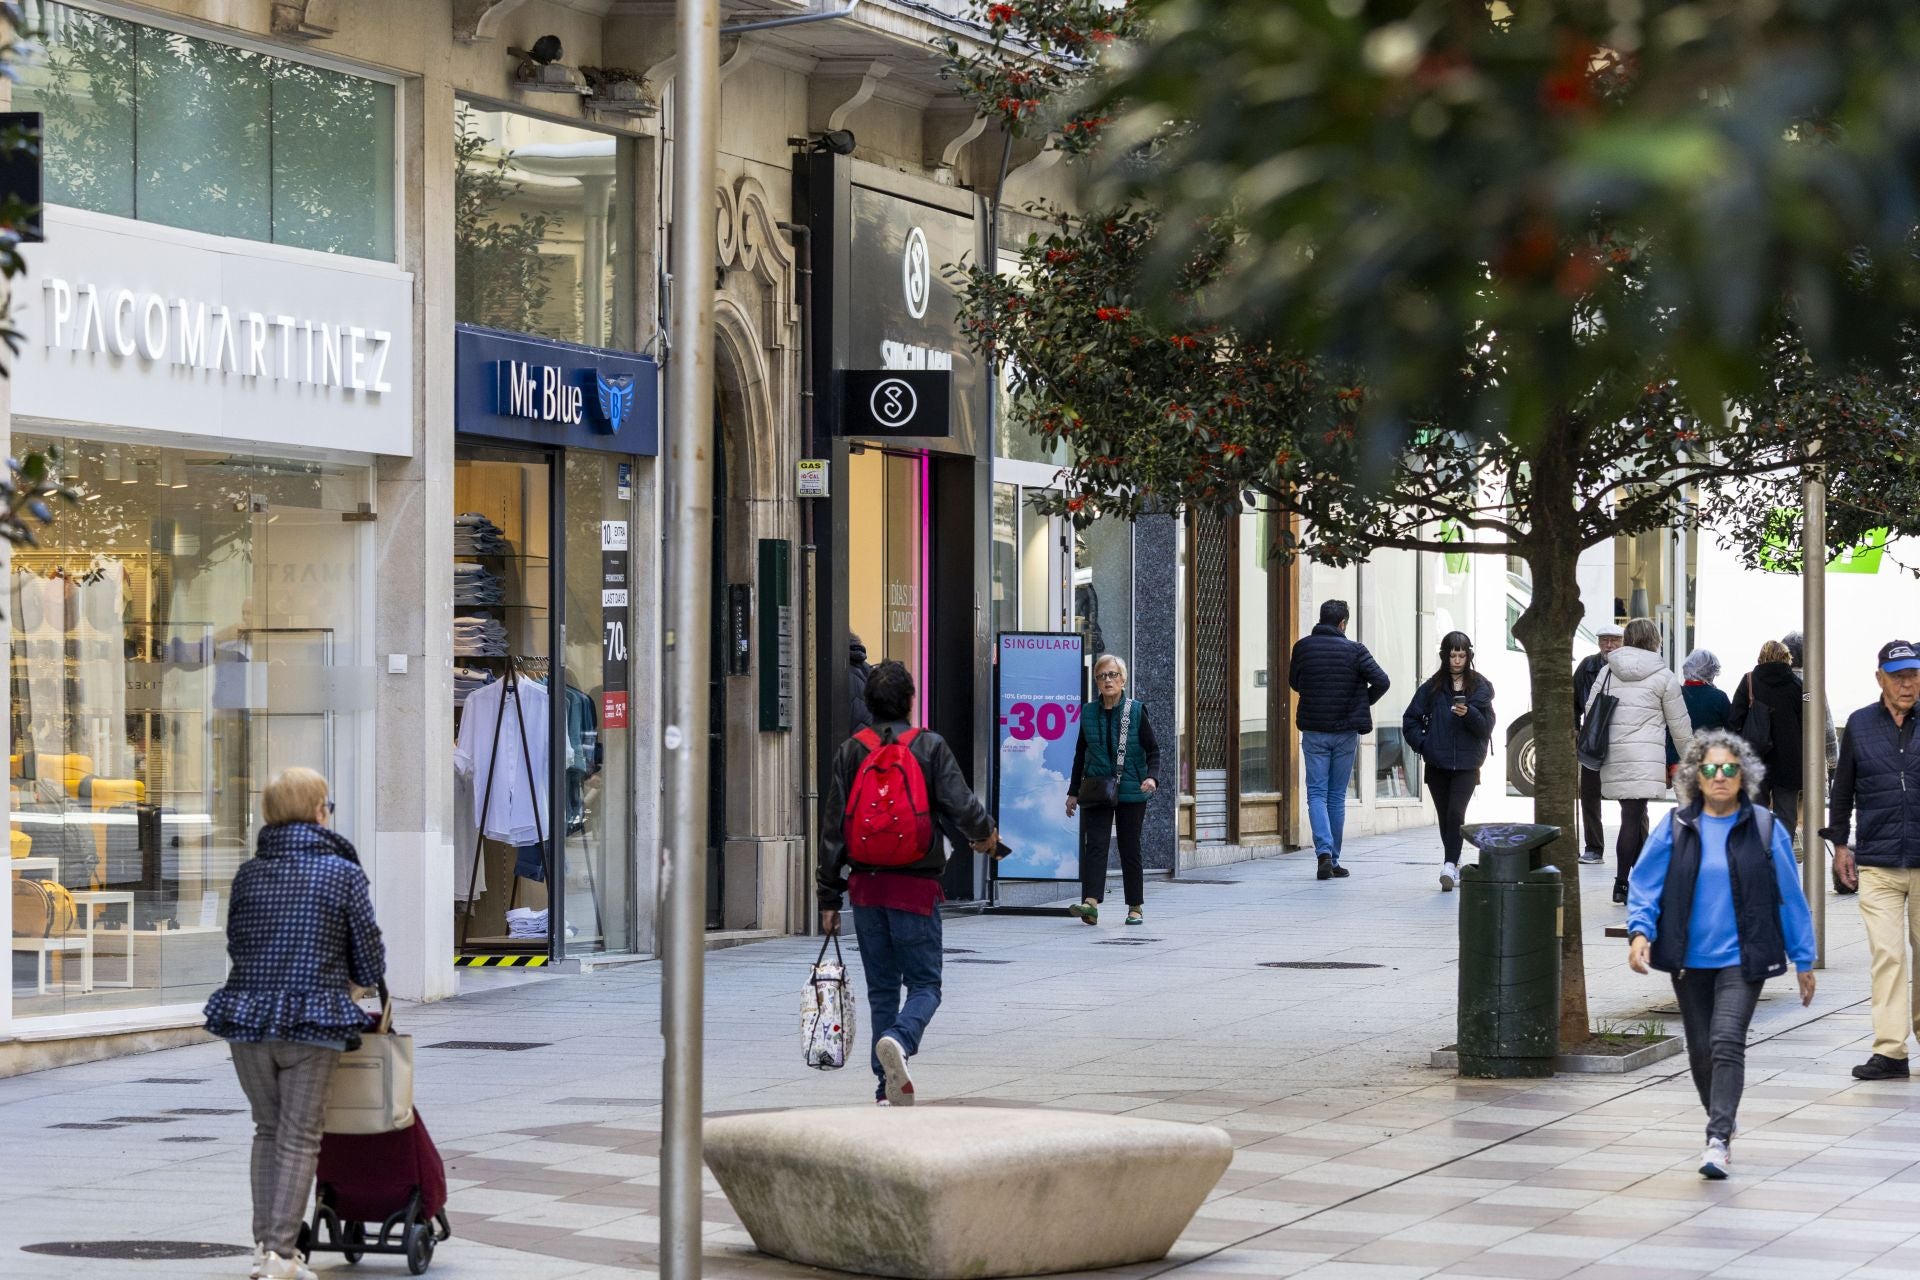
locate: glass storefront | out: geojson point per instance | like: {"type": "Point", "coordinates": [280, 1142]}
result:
{"type": "Point", "coordinates": [163, 127]}
{"type": "Point", "coordinates": [887, 570]}
{"type": "Point", "coordinates": [1389, 625]}
{"type": "Point", "coordinates": [196, 625]}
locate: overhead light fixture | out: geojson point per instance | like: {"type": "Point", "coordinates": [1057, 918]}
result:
{"type": "Point", "coordinates": [541, 71]}
{"type": "Point", "coordinates": [110, 466]}
{"type": "Point", "coordinates": [179, 480]}
{"type": "Point", "coordinates": [129, 470]}
{"type": "Point", "coordinates": [839, 142]}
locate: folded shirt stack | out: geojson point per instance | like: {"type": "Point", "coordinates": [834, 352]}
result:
{"type": "Point", "coordinates": [475, 535]}
{"type": "Point", "coordinates": [476, 637]}
{"type": "Point", "coordinates": [466, 680]}
{"type": "Point", "coordinates": [475, 584]}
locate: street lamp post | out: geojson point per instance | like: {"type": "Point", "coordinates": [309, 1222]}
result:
{"type": "Point", "coordinates": [683, 846]}
{"type": "Point", "coordinates": [1813, 719]}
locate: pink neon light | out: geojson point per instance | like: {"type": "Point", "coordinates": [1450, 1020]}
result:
{"type": "Point", "coordinates": [926, 576]}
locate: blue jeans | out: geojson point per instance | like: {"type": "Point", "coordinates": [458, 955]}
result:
{"type": "Point", "coordinates": [899, 948]}
{"type": "Point", "coordinates": [1329, 759]}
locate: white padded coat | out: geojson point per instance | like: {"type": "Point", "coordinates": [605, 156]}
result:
{"type": "Point", "coordinates": [1651, 707]}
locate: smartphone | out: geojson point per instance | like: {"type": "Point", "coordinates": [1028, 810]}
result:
{"type": "Point", "coordinates": [1001, 849]}
{"type": "Point", "coordinates": [1459, 698]}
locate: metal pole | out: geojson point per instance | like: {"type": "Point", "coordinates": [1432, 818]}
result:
{"type": "Point", "coordinates": [1813, 719]}
{"type": "Point", "coordinates": [683, 852]}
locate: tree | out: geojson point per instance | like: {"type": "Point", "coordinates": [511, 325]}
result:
{"type": "Point", "coordinates": [1161, 406]}
{"type": "Point", "coordinates": [499, 276]}
{"type": "Point", "coordinates": [1411, 176]}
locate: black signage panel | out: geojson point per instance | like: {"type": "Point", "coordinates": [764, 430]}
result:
{"type": "Point", "coordinates": [900, 403]}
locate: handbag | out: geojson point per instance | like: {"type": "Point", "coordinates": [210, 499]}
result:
{"type": "Point", "coordinates": [1104, 793]}
{"type": "Point", "coordinates": [1596, 726]}
{"type": "Point", "coordinates": [42, 908]}
{"type": "Point", "coordinates": [826, 1010]}
{"type": "Point", "coordinates": [1757, 728]}
{"type": "Point", "coordinates": [372, 1086]}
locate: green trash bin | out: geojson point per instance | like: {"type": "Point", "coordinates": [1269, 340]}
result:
{"type": "Point", "coordinates": [1509, 953]}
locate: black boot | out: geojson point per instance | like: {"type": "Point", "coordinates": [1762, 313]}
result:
{"type": "Point", "coordinates": [1325, 871]}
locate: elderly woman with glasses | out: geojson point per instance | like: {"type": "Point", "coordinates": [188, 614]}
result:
{"type": "Point", "coordinates": [1715, 901]}
{"type": "Point", "coordinates": [1116, 770]}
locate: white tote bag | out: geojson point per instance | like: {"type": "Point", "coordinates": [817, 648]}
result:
{"type": "Point", "coordinates": [826, 1010]}
{"type": "Point", "coordinates": [372, 1089]}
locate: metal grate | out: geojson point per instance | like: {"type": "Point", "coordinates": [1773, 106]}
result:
{"type": "Point", "coordinates": [956, 951]}
{"type": "Point", "coordinates": [1213, 582]}
{"type": "Point", "coordinates": [138, 1250]}
{"type": "Point", "coordinates": [500, 1046]}
{"type": "Point", "coordinates": [74, 1124]}
{"type": "Point", "coordinates": [605, 1102]}
{"type": "Point", "coordinates": [143, 1119]}
{"type": "Point", "coordinates": [206, 1111]}
{"type": "Point", "coordinates": [1316, 964]}
{"type": "Point", "coordinates": [168, 1080]}
{"type": "Point", "coordinates": [187, 1137]}
{"type": "Point", "coordinates": [1124, 942]}
{"type": "Point", "coordinates": [980, 960]}
{"type": "Point", "coordinates": [1185, 880]}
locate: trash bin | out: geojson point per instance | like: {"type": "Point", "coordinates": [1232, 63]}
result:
{"type": "Point", "coordinates": [1509, 953]}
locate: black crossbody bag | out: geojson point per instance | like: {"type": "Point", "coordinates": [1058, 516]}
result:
{"type": "Point", "coordinates": [1104, 793]}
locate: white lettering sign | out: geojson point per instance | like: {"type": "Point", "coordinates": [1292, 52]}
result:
{"type": "Point", "coordinates": [540, 392]}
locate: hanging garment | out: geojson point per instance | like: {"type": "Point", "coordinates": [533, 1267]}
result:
{"type": "Point", "coordinates": [583, 754]}
{"type": "Point", "coordinates": [516, 811]}
{"type": "Point", "coordinates": [466, 843]}
{"type": "Point", "coordinates": [98, 648]}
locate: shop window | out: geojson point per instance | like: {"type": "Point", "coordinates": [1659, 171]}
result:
{"type": "Point", "coordinates": [540, 234]}
{"type": "Point", "coordinates": [1258, 751]}
{"type": "Point", "coordinates": [1389, 626]}
{"type": "Point", "coordinates": [1006, 559]}
{"type": "Point", "coordinates": [191, 629]}
{"type": "Point", "coordinates": [152, 124]}
{"type": "Point", "coordinates": [1103, 587]}
{"type": "Point", "coordinates": [887, 549]}
{"type": "Point", "coordinates": [1327, 582]}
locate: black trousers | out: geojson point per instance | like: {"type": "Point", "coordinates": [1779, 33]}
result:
{"type": "Point", "coordinates": [1633, 836]}
{"type": "Point", "coordinates": [1097, 826]}
{"type": "Point", "coordinates": [1451, 790]}
{"type": "Point", "coordinates": [1596, 829]}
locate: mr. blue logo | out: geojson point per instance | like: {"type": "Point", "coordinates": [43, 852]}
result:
{"type": "Point", "coordinates": [616, 398]}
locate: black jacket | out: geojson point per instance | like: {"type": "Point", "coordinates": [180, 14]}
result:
{"type": "Point", "coordinates": [1444, 740]}
{"type": "Point", "coordinates": [1879, 776]}
{"type": "Point", "coordinates": [858, 671]}
{"type": "Point", "coordinates": [1583, 677]}
{"type": "Point", "coordinates": [1756, 896]}
{"type": "Point", "coordinates": [954, 806]}
{"type": "Point", "coordinates": [1775, 687]}
{"type": "Point", "coordinates": [1337, 680]}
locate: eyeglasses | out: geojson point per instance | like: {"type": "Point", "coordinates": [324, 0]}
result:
{"type": "Point", "coordinates": [1731, 769]}
{"type": "Point", "coordinates": [1108, 675]}
{"type": "Point", "coordinates": [329, 807]}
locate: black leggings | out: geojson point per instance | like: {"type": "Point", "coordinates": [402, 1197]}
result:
{"type": "Point", "coordinates": [1451, 789]}
{"type": "Point", "coordinates": [1096, 826]}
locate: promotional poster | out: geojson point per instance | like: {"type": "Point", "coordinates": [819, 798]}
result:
{"type": "Point", "coordinates": [1041, 690]}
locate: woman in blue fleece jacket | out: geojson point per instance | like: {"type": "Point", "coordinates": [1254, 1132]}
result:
{"type": "Point", "coordinates": [1715, 901]}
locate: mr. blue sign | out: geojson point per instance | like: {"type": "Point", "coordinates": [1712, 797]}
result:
{"type": "Point", "coordinates": [539, 391]}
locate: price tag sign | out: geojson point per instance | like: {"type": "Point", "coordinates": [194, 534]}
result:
{"type": "Point", "coordinates": [615, 561]}
{"type": "Point", "coordinates": [1039, 680]}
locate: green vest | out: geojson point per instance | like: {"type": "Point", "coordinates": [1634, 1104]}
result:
{"type": "Point", "coordinates": [1100, 730]}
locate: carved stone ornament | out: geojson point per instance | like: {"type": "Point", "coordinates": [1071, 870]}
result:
{"type": "Point", "coordinates": [477, 20]}
{"type": "Point", "coordinates": [306, 19]}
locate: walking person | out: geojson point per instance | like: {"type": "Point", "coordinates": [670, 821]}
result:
{"type": "Point", "coordinates": [1706, 704]}
{"type": "Point", "coordinates": [1878, 781]}
{"type": "Point", "coordinates": [1716, 903]}
{"type": "Point", "coordinates": [1796, 650]}
{"type": "Point", "coordinates": [1592, 821]}
{"type": "Point", "coordinates": [1772, 684]}
{"type": "Point", "coordinates": [858, 669]}
{"type": "Point", "coordinates": [880, 842]}
{"type": "Point", "coordinates": [1116, 743]}
{"type": "Point", "coordinates": [1450, 723]}
{"type": "Point", "coordinates": [1338, 682]}
{"type": "Point", "coordinates": [1651, 709]}
{"type": "Point", "coordinates": [300, 934]}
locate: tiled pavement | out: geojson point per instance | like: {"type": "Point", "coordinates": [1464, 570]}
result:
{"type": "Point", "coordinates": [1354, 1158]}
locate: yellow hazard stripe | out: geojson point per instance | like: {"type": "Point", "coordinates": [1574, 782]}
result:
{"type": "Point", "coordinates": [499, 962]}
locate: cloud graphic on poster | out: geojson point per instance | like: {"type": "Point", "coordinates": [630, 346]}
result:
{"type": "Point", "coordinates": [1032, 817]}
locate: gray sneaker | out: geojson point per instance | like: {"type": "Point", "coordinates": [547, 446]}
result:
{"type": "Point", "coordinates": [1715, 1163]}
{"type": "Point", "coordinates": [1592, 857]}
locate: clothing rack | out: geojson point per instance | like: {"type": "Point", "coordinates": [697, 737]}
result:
{"type": "Point", "coordinates": [511, 691]}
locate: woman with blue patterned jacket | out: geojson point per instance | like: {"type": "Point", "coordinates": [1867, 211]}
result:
{"type": "Point", "coordinates": [300, 935]}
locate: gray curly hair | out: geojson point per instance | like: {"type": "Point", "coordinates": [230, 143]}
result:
{"type": "Point", "coordinates": [1686, 778]}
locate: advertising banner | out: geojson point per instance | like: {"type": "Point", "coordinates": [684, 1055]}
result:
{"type": "Point", "coordinates": [1041, 688]}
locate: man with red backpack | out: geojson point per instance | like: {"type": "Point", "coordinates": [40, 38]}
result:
{"type": "Point", "coordinates": [893, 787]}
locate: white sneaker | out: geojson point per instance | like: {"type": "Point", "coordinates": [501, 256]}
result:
{"type": "Point", "coordinates": [1715, 1163]}
{"type": "Point", "coordinates": [290, 1268]}
{"type": "Point", "coordinates": [1449, 873]}
{"type": "Point", "coordinates": [893, 1062]}
{"type": "Point", "coordinates": [259, 1261]}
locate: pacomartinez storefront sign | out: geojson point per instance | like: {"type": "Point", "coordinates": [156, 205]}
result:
{"type": "Point", "coordinates": [133, 325]}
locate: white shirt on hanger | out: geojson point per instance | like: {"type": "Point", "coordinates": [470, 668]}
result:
{"type": "Point", "coordinates": [516, 812]}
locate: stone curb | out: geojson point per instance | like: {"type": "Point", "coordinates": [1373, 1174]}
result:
{"type": "Point", "coordinates": [1586, 1063]}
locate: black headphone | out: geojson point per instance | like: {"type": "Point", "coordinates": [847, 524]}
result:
{"type": "Point", "coordinates": [1446, 649]}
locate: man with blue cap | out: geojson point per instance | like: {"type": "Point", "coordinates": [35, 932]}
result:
{"type": "Point", "coordinates": [1873, 821]}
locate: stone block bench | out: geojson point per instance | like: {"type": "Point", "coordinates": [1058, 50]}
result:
{"type": "Point", "coordinates": [945, 1192]}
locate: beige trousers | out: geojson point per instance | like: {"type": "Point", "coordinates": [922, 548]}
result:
{"type": "Point", "coordinates": [1890, 908]}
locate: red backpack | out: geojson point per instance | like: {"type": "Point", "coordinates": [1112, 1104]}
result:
{"type": "Point", "coordinates": [889, 822]}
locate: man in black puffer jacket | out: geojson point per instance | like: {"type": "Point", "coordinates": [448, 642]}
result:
{"type": "Point", "coordinates": [1879, 778]}
{"type": "Point", "coordinates": [1338, 682]}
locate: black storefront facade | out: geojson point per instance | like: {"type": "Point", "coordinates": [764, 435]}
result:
{"type": "Point", "coordinates": [901, 420]}
{"type": "Point", "coordinates": [555, 576]}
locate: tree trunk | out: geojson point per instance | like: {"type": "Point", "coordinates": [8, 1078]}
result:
{"type": "Point", "coordinates": [1546, 628]}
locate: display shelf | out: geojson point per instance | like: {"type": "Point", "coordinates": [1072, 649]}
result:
{"type": "Point", "coordinates": [533, 561]}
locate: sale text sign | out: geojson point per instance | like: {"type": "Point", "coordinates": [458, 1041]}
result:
{"type": "Point", "coordinates": [1041, 688]}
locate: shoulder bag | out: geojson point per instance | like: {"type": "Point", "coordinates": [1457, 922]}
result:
{"type": "Point", "coordinates": [1104, 793]}
{"type": "Point", "coordinates": [372, 1087]}
{"type": "Point", "coordinates": [1596, 725]}
{"type": "Point", "coordinates": [827, 1031]}
{"type": "Point", "coordinates": [1757, 728]}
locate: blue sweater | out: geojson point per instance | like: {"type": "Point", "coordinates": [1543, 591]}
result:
{"type": "Point", "coordinates": [1713, 939]}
